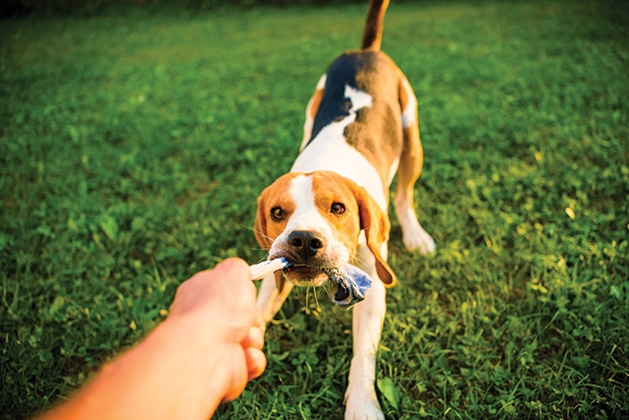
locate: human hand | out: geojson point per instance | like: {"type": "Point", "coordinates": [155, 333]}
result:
{"type": "Point", "coordinates": [203, 353]}
{"type": "Point", "coordinates": [219, 307]}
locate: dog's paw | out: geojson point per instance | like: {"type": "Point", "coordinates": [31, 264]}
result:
{"type": "Point", "coordinates": [362, 407]}
{"type": "Point", "coordinates": [416, 239]}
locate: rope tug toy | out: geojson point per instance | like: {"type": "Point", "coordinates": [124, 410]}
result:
{"type": "Point", "coordinates": [349, 283]}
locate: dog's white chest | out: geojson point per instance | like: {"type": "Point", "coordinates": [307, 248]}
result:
{"type": "Point", "coordinates": [330, 152]}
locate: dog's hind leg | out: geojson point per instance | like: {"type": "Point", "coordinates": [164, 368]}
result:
{"type": "Point", "coordinates": [411, 162]}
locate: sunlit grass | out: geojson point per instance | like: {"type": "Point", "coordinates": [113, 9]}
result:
{"type": "Point", "coordinates": [133, 147]}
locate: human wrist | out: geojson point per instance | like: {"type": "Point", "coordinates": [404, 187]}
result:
{"type": "Point", "coordinates": [195, 365]}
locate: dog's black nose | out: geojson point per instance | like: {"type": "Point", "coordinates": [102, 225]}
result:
{"type": "Point", "coordinates": [305, 243]}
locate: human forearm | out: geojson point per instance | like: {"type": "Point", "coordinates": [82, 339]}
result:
{"type": "Point", "coordinates": [164, 377]}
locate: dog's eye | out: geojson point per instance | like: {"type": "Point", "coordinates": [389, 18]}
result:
{"type": "Point", "coordinates": [277, 213]}
{"type": "Point", "coordinates": [337, 208]}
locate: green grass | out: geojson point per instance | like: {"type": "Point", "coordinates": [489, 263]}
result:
{"type": "Point", "coordinates": [133, 146]}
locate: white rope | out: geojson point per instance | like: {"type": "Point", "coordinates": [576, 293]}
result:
{"type": "Point", "coordinates": [265, 268]}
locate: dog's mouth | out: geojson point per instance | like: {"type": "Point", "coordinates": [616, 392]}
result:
{"type": "Point", "coordinates": [348, 283]}
{"type": "Point", "coordinates": [302, 274]}
{"type": "Point", "coordinates": [306, 275]}
{"type": "Point", "coordinates": [305, 269]}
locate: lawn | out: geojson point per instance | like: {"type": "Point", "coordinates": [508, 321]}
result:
{"type": "Point", "coordinates": [133, 146]}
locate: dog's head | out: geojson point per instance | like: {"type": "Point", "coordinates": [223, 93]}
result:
{"type": "Point", "coordinates": [314, 220]}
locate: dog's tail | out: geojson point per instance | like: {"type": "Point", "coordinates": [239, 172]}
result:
{"type": "Point", "coordinates": [372, 37]}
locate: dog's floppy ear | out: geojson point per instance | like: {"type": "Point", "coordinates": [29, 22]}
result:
{"type": "Point", "coordinates": [259, 227]}
{"type": "Point", "coordinates": [260, 230]}
{"type": "Point", "coordinates": [376, 226]}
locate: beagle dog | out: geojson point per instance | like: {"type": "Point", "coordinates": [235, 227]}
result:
{"type": "Point", "coordinates": [361, 130]}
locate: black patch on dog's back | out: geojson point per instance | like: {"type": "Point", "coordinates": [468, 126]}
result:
{"type": "Point", "coordinates": [343, 71]}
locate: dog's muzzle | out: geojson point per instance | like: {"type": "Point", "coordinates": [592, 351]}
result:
{"type": "Point", "coordinates": [305, 245]}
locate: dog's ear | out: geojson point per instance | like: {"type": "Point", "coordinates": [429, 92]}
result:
{"type": "Point", "coordinates": [259, 226]}
{"type": "Point", "coordinates": [376, 225]}
{"type": "Point", "coordinates": [260, 230]}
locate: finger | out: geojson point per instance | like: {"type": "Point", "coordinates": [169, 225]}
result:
{"type": "Point", "coordinates": [256, 362]}
{"type": "Point", "coordinates": [258, 322]}
{"type": "Point", "coordinates": [234, 392]}
{"type": "Point", "coordinates": [228, 284]}
{"type": "Point", "coordinates": [236, 268]}
{"type": "Point", "coordinates": [238, 369]}
{"type": "Point", "coordinates": [237, 292]}
{"type": "Point", "coordinates": [254, 338]}
{"type": "Point", "coordinates": [235, 275]}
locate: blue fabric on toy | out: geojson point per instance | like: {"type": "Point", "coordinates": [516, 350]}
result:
{"type": "Point", "coordinates": [349, 285]}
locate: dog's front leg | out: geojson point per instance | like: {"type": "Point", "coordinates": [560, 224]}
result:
{"type": "Point", "coordinates": [360, 398]}
{"type": "Point", "coordinates": [270, 299]}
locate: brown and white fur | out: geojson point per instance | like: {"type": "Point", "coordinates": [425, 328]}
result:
{"type": "Point", "coordinates": [361, 129]}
